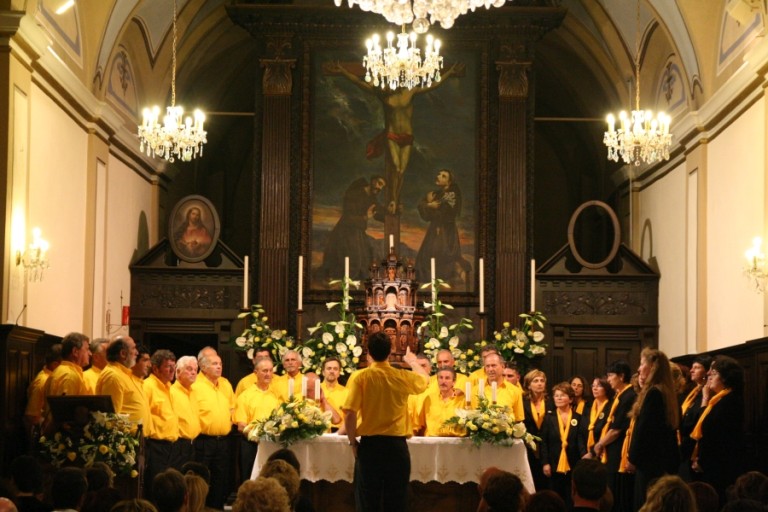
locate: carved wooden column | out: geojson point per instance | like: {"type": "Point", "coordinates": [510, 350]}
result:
{"type": "Point", "coordinates": [513, 191]}
{"type": "Point", "coordinates": [275, 200]}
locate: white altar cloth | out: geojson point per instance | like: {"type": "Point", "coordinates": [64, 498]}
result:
{"type": "Point", "coordinates": [440, 459]}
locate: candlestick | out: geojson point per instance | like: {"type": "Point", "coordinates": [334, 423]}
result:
{"type": "Point", "coordinates": [391, 242]}
{"type": "Point", "coordinates": [290, 388]}
{"type": "Point", "coordinates": [346, 268]}
{"type": "Point", "coordinates": [533, 285]}
{"type": "Point", "coordinates": [481, 280]}
{"type": "Point", "coordinates": [303, 386]}
{"type": "Point", "coordinates": [468, 392]}
{"type": "Point", "coordinates": [493, 391]}
{"type": "Point", "coordinates": [245, 283]}
{"type": "Point", "coordinates": [480, 388]}
{"type": "Point", "coordinates": [317, 390]}
{"type": "Point", "coordinates": [301, 282]}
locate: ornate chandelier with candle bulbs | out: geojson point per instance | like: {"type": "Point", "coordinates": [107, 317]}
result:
{"type": "Point", "coordinates": [402, 66]}
{"type": "Point", "coordinates": [422, 12]}
{"type": "Point", "coordinates": [177, 136]}
{"type": "Point", "coordinates": [640, 137]}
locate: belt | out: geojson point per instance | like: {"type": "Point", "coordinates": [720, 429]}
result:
{"type": "Point", "coordinates": [206, 436]}
{"type": "Point", "coordinates": [403, 438]}
{"type": "Point", "coordinates": [160, 441]}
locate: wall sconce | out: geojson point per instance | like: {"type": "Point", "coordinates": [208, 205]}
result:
{"type": "Point", "coordinates": [35, 258]}
{"type": "Point", "coordinates": [756, 270]}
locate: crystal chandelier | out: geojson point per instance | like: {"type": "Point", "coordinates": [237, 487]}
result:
{"type": "Point", "coordinates": [641, 138]}
{"type": "Point", "coordinates": [176, 137]}
{"type": "Point", "coordinates": [755, 269]}
{"type": "Point", "coordinates": [402, 66]}
{"type": "Point", "coordinates": [35, 258]}
{"type": "Point", "coordinates": [402, 12]}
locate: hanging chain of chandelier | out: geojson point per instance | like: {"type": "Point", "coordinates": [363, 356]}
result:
{"type": "Point", "coordinates": [640, 137]}
{"type": "Point", "coordinates": [402, 65]}
{"type": "Point", "coordinates": [178, 137]}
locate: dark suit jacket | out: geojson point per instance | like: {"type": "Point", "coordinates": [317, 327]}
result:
{"type": "Point", "coordinates": [620, 423]}
{"type": "Point", "coordinates": [551, 444]}
{"type": "Point", "coordinates": [721, 447]}
{"type": "Point", "coordinates": [653, 449]}
{"type": "Point", "coordinates": [687, 424]}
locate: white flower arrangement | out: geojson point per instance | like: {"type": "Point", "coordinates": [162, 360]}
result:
{"type": "Point", "coordinates": [491, 423]}
{"type": "Point", "coordinates": [259, 335]}
{"type": "Point", "coordinates": [439, 336]}
{"type": "Point", "coordinates": [296, 420]}
{"type": "Point", "coordinates": [517, 345]}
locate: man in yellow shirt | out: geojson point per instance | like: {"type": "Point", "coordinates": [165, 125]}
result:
{"type": "Point", "coordinates": [33, 413]}
{"type": "Point", "coordinates": [506, 393]}
{"type": "Point", "coordinates": [415, 402]}
{"type": "Point", "coordinates": [215, 403]}
{"type": "Point", "coordinates": [334, 392]}
{"type": "Point", "coordinates": [223, 381]}
{"type": "Point", "coordinates": [478, 374]}
{"type": "Point", "coordinates": [126, 389]}
{"type": "Point", "coordinates": [380, 393]}
{"type": "Point", "coordinates": [98, 362]}
{"type": "Point", "coordinates": [185, 406]}
{"type": "Point", "coordinates": [67, 378]}
{"type": "Point", "coordinates": [512, 375]}
{"type": "Point", "coordinates": [282, 383]}
{"type": "Point", "coordinates": [161, 449]}
{"type": "Point", "coordinates": [250, 379]}
{"type": "Point", "coordinates": [441, 405]}
{"type": "Point", "coordinates": [446, 360]}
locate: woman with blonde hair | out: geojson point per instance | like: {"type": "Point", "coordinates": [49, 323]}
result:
{"type": "Point", "coordinates": [535, 407]}
{"type": "Point", "coordinates": [197, 491]}
{"type": "Point", "coordinates": [669, 494]}
{"type": "Point", "coordinates": [261, 495]}
{"type": "Point", "coordinates": [652, 444]}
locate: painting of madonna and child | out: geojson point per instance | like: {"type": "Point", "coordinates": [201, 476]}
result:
{"type": "Point", "coordinates": [407, 153]}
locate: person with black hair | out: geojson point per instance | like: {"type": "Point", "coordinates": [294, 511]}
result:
{"type": "Point", "coordinates": [68, 489]}
{"type": "Point", "coordinates": [33, 413]}
{"type": "Point", "coordinates": [27, 476]}
{"type": "Point", "coordinates": [170, 491]}
{"type": "Point", "coordinates": [379, 394]}
{"type": "Point", "coordinates": [690, 411]}
{"type": "Point", "coordinates": [503, 492]}
{"type": "Point", "coordinates": [589, 482]}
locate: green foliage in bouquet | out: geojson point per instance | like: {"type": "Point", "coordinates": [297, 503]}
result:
{"type": "Point", "coordinates": [108, 437]}
{"type": "Point", "coordinates": [491, 423]}
{"type": "Point", "coordinates": [339, 338]}
{"type": "Point", "coordinates": [293, 421]}
{"type": "Point", "coordinates": [259, 335]}
{"type": "Point", "coordinates": [518, 345]}
{"type": "Point", "coordinates": [437, 334]}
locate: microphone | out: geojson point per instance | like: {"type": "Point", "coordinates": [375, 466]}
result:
{"type": "Point", "coordinates": [22, 312]}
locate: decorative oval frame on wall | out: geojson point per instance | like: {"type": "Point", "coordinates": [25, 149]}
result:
{"type": "Point", "coordinates": [616, 235]}
{"type": "Point", "coordinates": [197, 244]}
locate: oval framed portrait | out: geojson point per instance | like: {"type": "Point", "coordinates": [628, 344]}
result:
{"type": "Point", "coordinates": [193, 228]}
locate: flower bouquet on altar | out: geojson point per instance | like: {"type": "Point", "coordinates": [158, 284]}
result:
{"type": "Point", "coordinates": [108, 437]}
{"type": "Point", "coordinates": [439, 336]}
{"type": "Point", "coordinates": [296, 420]}
{"type": "Point", "coordinates": [491, 423]}
{"type": "Point", "coordinates": [339, 338]}
{"type": "Point", "coordinates": [518, 344]}
{"type": "Point", "coordinates": [259, 335]}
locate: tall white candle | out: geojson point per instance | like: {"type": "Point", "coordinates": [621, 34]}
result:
{"type": "Point", "coordinates": [468, 392]}
{"type": "Point", "coordinates": [346, 267]}
{"type": "Point", "coordinates": [481, 280]}
{"type": "Point", "coordinates": [480, 388]}
{"type": "Point", "coordinates": [245, 283]}
{"type": "Point", "coordinates": [290, 388]}
{"type": "Point", "coordinates": [301, 282]}
{"type": "Point", "coordinates": [391, 242]}
{"type": "Point", "coordinates": [432, 278]}
{"type": "Point", "coordinates": [533, 285]}
{"type": "Point", "coordinates": [317, 390]}
{"type": "Point", "coordinates": [493, 391]}
{"type": "Point", "coordinates": [303, 386]}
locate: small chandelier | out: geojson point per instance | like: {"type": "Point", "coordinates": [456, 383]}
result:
{"type": "Point", "coordinates": [176, 137]}
{"type": "Point", "coordinates": [755, 269]}
{"type": "Point", "coordinates": [35, 257]}
{"type": "Point", "coordinates": [641, 138]}
{"type": "Point", "coordinates": [402, 66]}
{"type": "Point", "coordinates": [402, 12]}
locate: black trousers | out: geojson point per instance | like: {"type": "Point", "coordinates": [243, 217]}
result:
{"type": "Point", "coordinates": [159, 457]}
{"type": "Point", "coordinates": [214, 452]}
{"type": "Point", "coordinates": [384, 472]}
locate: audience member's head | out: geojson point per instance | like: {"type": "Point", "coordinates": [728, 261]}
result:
{"type": "Point", "coordinates": [752, 485]}
{"type": "Point", "coordinates": [27, 474]}
{"type": "Point", "coordinates": [197, 491]}
{"type": "Point", "coordinates": [135, 505]}
{"type": "Point", "coordinates": [99, 476]}
{"type": "Point", "coordinates": [7, 505]}
{"type": "Point", "coordinates": [545, 501]}
{"type": "Point", "coordinates": [669, 494]}
{"type": "Point", "coordinates": [705, 496]}
{"type": "Point", "coordinates": [288, 456]}
{"type": "Point", "coordinates": [504, 492]}
{"type": "Point", "coordinates": [589, 481]}
{"type": "Point", "coordinates": [169, 491]}
{"type": "Point", "coordinates": [197, 468]}
{"type": "Point", "coordinates": [742, 505]}
{"type": "Point", "coordinates": [285, 474]}
{"type": "Point", "coordinates": [68, 488]}
{"type": "Point", "coordinates": [261, 495]}
{"type": "Point", "coordinates": [606, 502]}
{"type": "Point", "coordinates": [102, 500]}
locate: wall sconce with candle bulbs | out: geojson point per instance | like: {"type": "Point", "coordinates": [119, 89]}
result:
{"type": "Point", "coordinates": [35, 257]}
{"type": "Point", "coordinates": [755, 269]}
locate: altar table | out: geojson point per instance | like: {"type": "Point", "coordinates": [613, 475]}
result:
{"type": "Point", "coordinates": [433, 459]}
